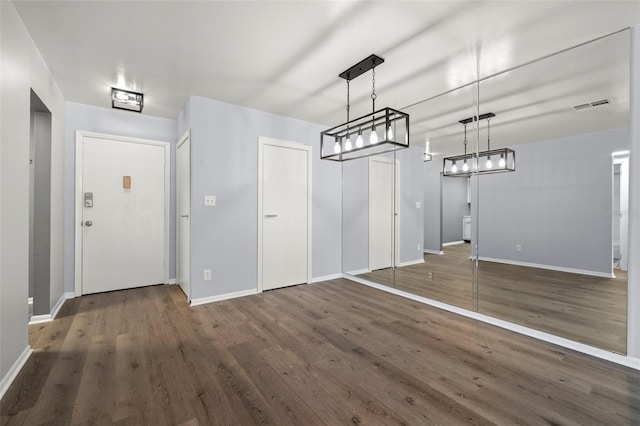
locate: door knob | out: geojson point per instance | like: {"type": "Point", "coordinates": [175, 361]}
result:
{"type": "Point", "coordinates": [88, 223]}
{"type": "Point", "coordinates": [270, 216]}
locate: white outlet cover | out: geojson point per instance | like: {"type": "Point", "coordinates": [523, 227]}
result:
{"type": "Point", "coordinates": [210, 200]}
{"type": "Point", "coordinates": [417, 204]}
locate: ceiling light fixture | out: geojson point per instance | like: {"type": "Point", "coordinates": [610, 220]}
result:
{"type": "Point", "coordinates": [480, 162]}
{"type": "Point", "coordinates": [395, 124]}
{"type": "Point", "coordinates": [427, 152]}
{"type": "Point", "coordinates": [127, 100]}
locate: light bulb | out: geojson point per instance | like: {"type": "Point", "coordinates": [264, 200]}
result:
{"type": "Point", "coordinates": [121, 96]}
{"type": "Point", "coordinates": [373, 139]}
{"type": "Point", "coordinates": [347, 144]}
{"type": "Point", "coordinates": [489, 163]}
{"type": "Point", "coordinates": [465, 166]}
{"type": "Point", "coordinates": [502, 163]}
{"type": "Point", "coordinates": [359, 141]}
{"type": "Point", "coordinates": [336, 148]}
{"type": "Point", "coordinates": [389, 133]}
{"type": "Point", "coordinates": [454, 168]}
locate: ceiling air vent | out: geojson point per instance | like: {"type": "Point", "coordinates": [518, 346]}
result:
{"type": "Point", "coordinates": [592, 104]}
{"type": "Point", "coordinates": [601, 102]}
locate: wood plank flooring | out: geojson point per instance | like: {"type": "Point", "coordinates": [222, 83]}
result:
{"type": "Point", "coordinates": [583, 308]}
{"type": "Point", "coordinates": [331, 353]}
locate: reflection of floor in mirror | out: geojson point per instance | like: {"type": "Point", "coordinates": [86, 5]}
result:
{"type": "Point", "coordinates": [583, 308]}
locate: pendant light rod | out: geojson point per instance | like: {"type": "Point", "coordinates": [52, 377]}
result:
{"type": "Point", "coordinates": [361, 67]}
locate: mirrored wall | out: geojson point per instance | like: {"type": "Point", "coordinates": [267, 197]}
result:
{"type": "Point", "coordinates": [543, 246]}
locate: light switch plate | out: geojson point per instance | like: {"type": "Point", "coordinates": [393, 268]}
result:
{"type": "Point", "coordinates": [417, 204]}
{"type": "Point", "coordinates": [210, 200]}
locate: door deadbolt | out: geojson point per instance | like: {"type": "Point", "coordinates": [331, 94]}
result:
{"type": "Point", "coordinates": [88, 223]}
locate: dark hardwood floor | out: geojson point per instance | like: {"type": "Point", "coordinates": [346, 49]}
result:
{"type": "Point", "coordinates": [331, 353]}
{"type": "Point", "coordinates": [587, 309]}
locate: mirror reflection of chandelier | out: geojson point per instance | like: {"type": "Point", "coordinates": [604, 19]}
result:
{"type": "Point", "coordinates": [484, 162]}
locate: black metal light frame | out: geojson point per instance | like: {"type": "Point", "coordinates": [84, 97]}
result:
{"type": "Point", "coordinates": [134, 101]}
{"type": "Point", "coordinates": [476, 162]}
{"type": "Point", "coordinates": [351, 139]}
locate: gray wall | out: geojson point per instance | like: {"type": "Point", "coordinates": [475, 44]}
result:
{"type": "Point", "coordinates": [40, 229]}
{"type": "Point", "coordinates": [431, 206]}
{"type": "Point", "coordinates": [454, 206]}
{"type": "Point", "coordinates": [355, 202]}
{"type": "Point", "coordinates": [114, 122]}
{"type": "Point", "coordinates": [555, 205]}
{"type": "Point", "coordinates": [22, 69]}
{"type": "Point", "coordinates": [224, 150]}
{"type": "Point", "coordinates": [411, 192]}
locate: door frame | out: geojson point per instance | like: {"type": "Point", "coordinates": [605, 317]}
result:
{"type": "Point", "coordinates": [80, 136]}
{"type": "Point", "coordinates": [395, 250]}
{"type": "Point", "coordinates": [262, 141]}
{"type": "Point", "coordinates": [186, 138]}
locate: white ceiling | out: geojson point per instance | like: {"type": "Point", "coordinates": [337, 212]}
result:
{"type": "Point", "coordinates": [285, 56]}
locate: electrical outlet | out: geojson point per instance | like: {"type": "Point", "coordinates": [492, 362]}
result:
{"type": "Point", "coordinates": [210, 200]}
{"type": "Point", "coordinates": [418, 246]}
{"type": "Point", "coordinates": [430, 276]}
{"type": "Point", "coordinates": [417, 204]}
{"type": "Point", "coordinates": [207, 274]}
{"type": "Point", "coordinates": [518, 247]}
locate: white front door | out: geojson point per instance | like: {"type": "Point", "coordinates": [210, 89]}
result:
{"type": "Point", "coordinates": [183, 208]}
{"type": "Point", "coordinates": [381, 213]}
{"type": "Point", "coordinates": [121, 200]}
{"type": "Point", "coordinates": [285, 173]}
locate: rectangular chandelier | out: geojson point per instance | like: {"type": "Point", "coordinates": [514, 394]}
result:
{"type": "Point", "coordinates": [484, 162]}
{"type": "Point", "coordinates": [381, 131]}
{"type": "Point", "coordinates": [127, 100]}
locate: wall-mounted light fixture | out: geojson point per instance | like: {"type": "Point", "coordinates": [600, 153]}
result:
{"type": "Point", "coordinates": [380, 131]}
{"type": "Point", "coordinates": [483, 162]}
{"type": "Point", "coordinates": [126, 99]}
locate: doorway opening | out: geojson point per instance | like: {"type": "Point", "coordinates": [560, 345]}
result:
{"type": "Point", "coordinates": [620, 210]}
{"type": "Point", "coordinates": [39, 300]}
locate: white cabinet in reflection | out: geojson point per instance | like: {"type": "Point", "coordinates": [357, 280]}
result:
{"type": "Point", "coordinates": [466, 228]}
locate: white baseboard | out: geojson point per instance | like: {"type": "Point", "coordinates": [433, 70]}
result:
{"type": "Point", "coordinates": [36, 319]}
{"type": "Point", "coordinates": [549, 267]}
{"type": "Point", "coordinates": [358, 271]}
{"type": "Point", "coordinates": [14, 370]}
{"type": "Point", "coordinates": [438, 252]}
{"type": "Point", "coordinates": [220, 297]}
{"type": "Point", "coordinates": [536, 334]}
{"type": "Point", "coordinates": [410, 262]}
{"type": "Point", "coordinates": [326, 278]}
{"type": "Point", "coordinates": [452, 243]}
{"type": "Point", "coordinates": [172, 281]}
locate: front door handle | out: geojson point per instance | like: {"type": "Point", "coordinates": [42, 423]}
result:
{"type": "Point", "coordinates": [270, 216]}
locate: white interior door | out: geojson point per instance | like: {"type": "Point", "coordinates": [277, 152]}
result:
{"type": "Point", "coordinates": [122, 203]}
{"type": "Point", "coordinates": [383, 217]}
{"type": "Point", "coordinates": [183, 207]}
{"type": "Point", "coordinates": [285, 251]}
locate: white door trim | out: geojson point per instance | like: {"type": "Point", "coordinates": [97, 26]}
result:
{"type": "Point", "coordinates": [186, 137]}
{"type": "Point", "coordinates": [396, 204]}
{"type": "Point", "coordinates": [80, 136]}
{"type": "Point", "coordinates": [262, 141]}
